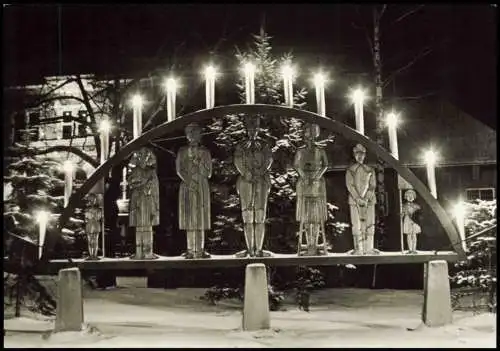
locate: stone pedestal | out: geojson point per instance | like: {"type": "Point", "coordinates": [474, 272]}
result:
{"type": "Point", "coordinates": [69, 301]}
{"type": "Point", "coordinates": [256, 304]}
{"type": "Point", "coordinates": [437, 296]}
{"type": "Point", "coordinates": [132, 282]}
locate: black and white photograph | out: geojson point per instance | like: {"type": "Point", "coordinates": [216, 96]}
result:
{"type": "Point", "coordinates": [269, 175]}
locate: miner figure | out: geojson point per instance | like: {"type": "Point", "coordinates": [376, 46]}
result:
{"type": "Point", "coordinates": [361, 183]}
{"type": "Point", "coordinates": [194, 167]}
{"type": "Point", "coordinates": [144, 201]}
{"type": "Point", "coordinates": [253, 159]}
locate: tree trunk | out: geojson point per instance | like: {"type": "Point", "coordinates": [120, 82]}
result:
{"type": "Point", "coordinates": [379, 135]}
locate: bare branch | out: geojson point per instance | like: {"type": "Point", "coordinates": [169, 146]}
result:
{"type": "Point", "coordinates": [55, 98]}
{"type": "Point", "coordinates": [422, 54]}
{"type": "Point", "coordinates": [71, 149]}
{"type": "Point", "coordinates": [162, 148]}
{"type": "Point", "coordinates": [406, 14]}
{"type": "Point", "coordinates": [155, 113]}
{"type": "Point", "coordinates": [384, 7]}
{"type": "Point", "coordinates": [86, 102]}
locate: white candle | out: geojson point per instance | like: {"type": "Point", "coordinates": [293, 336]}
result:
{"type": "Point", "coordinates": [171, 86]}
{"type": "Point", "coordinates": [68, 180]}
{"type": "Point", "coordinates": [42, 217]}
{"type": "Point", "coordinates": [137, 122]}
{"type": "Point", "coordinates": [105, 128]}
{"type": "Point", "coordinates": [249, 83]}
{"type": "Point", "coordinates": [210, 86]}
{"type": "Point", "coordinates": [359, 98]}
{"type": "Point", "coordinates": [430, 157]}
{"type": "Point", "coordinates": [319, 82]}
{"type": "Point", "coordinates": [392, 122]}
{"type": "Point", "coordinates": [459, 214]}
{"type": "Point", "coordinates": [124, 183]}
{"type": "Point", "coordinates": [287, 71]}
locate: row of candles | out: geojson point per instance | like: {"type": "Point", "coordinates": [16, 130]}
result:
{"type": "Point", "coordinates": [249, 69]}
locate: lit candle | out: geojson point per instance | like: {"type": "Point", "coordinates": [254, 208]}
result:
{"type": "Point", "coordinates": [430, 159]}
{"type": "Point", "coordinates": [105, 129]}
{"type": "Point", "coordinates": [459, 214]}
{"type": "Point", "coordinates": [171, 86]}
{"type": "Point", "coordinates": [210, 74]}
{"type": "Point", "coordinates": [68, 180]}
{"type": "Point", "coordinates": [392, 121]}
{"type": "Point", "coordinates": [124, 183]}
{"type": "Point", "coordinates": [288, 74]}
{"type": "Point", "coordinates": [249, 69]}
{"type": "Point", "coordinates": [358, 97]}
{"type": "Point", "coordinates": [42, 217]}
{"type": "Point", "coordinates": [137, 123]}
{"type": "Point", "coordinates": [319, 82]}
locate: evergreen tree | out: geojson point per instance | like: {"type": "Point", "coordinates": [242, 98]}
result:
{"type": "Point", "coordinates": [284, 135]}
{"type": "Point", "coordinates": [36, 185]}
{"type": "Point", "coordinates": [479, 270]}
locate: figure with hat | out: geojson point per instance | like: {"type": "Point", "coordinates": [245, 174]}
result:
{"type": "Point", "coordinates": [253, 159]}
{"type": "Point", "coordinates": [311, 163]}
{"type": "Point", "coordinates": [194, 167]}
{"type": "Point", "coordinates": [144, 208]}
{"type": "Point", "coordinates": [361, 184]}
{"type": "Point", "coordinates": [93, 223]}
{"type": "Point", "coordinates": [410, 227]}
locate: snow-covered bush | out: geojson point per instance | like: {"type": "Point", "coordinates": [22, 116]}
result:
{"type": "Point", "coordinates": [478, 272]}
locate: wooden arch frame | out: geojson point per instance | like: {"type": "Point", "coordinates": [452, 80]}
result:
{"type": "Point", "coordinates": [261, 109]}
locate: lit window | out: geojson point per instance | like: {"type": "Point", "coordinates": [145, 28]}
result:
{"type": "Point", "coordinates": [480, 194]}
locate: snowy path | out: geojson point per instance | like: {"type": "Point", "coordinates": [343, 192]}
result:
{"type": "Point", "coordinates": [339, 318]}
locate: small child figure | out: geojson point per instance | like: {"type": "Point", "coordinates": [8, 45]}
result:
{"type": "Point", "coordinates": [410, 227]}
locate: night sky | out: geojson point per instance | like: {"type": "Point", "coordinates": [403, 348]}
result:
{"type": "Point", "coordinates": [130, 38]}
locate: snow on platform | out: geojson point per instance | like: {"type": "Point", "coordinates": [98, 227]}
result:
{"type": "Point", "coordinates": [165, 262]}
{"type": "Point", "coordinates": [136, 317]}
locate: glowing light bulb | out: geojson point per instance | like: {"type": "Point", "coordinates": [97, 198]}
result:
{"type": "Point", "coordinates": [137, 100]}
{"type": "Point", "coordinates": [392, 119]}
{"type": "Point", "coordinates": [430, 157]}
{"type": "Point", "coordinates": [210, 72]}
{"type": "Point", "coordinates": [105, 126]}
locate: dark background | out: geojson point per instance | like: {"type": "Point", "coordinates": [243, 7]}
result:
{"type": "Point", "coordinates": [45, 40]}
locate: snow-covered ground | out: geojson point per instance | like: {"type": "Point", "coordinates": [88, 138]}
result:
{"type": "Point", "coordinates": [140, 317]}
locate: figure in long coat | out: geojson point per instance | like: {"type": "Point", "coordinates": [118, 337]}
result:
{"type": "Point", "coordinates": [361, 183]}
{"type": "Point", "coordinates": [253, 159]}
{"type": "Point", "coordinates": [93, 223]}
{"type": "Point", "coordinates": [144, 208]}
{"type": "Point", "coordinates": [311, 163]}
{"type": "Point", "coordinates": [194, 167]}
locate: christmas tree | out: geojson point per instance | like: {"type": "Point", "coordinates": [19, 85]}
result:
{"type": "Point", "coordinates": [285, 136]}
{"type": "Point", "coordinates": [36, 186]}
{"type": "Point", "coordinates": [478, 272]}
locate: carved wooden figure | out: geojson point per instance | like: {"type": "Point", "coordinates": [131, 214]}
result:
{"type": "Point", "coordinates": [410, 228]}
{"type": "Point", "coordinates": [144, 204]}
{"type": "Point", "coordinates": [253, 159]}
{"type": "Point", "coordinates": [194, 167]}
{"type": "Point", "coordinates": [311, 163]}
{"type": "Point", "coordinates": [93, 224]}
{"type": "Point", "coordinates": [361, 183]}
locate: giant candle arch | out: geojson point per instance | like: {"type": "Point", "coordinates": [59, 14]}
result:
{"type": "Point", "coordinates": [261, 109]}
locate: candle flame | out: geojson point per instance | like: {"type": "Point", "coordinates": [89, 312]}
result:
{"type": "Point", "coordinates": [210, 72]}
{"type": "Point", "coordinates": [319, 79]}
{"type": "Point", "coordinates": [105, 126]}
{"type": "Point", "coordinates": [288, 71]}
{"type": "Point", "coordinates": [42, 216]}
{"type": "Point", "coordinates": [392, 119]}
{"type": "Point", "coordinates": [137, 100]}
{"type": "Point", "coordinates": [459, 210]}
{"type": "Point", "coordinates": [171, 84]}
{"type": "Point", "coordinates": [430, 157]}
{"type": "Point", "coordinates": [68, 166]}
{"type": "Point", "coordinates": [249, 68]}
{"type": "Point", "coordinates": [358, 96]}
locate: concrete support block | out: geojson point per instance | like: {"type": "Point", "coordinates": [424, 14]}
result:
{"type": "Point", "coordinates": [437, 296]}
{"type": "Point", "coordinates": [69, 316]}
{"type": "Point", "coordinates": [256, 305]}
{"type": "Point", "coordinates": [132, 282]}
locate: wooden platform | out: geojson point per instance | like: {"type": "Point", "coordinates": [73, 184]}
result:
{"type": "Point", "coordinates": [220, 261]}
